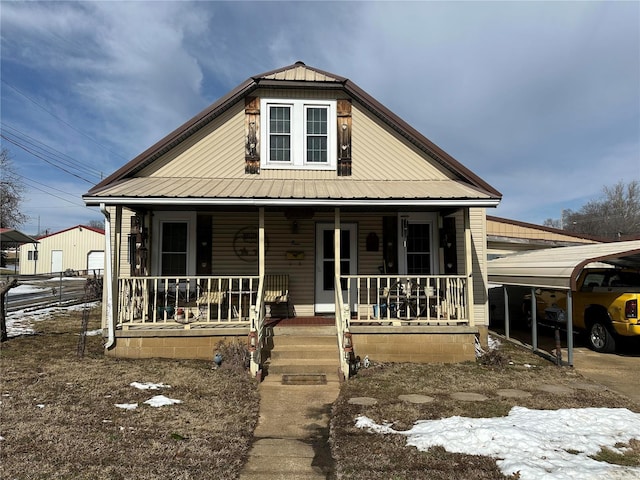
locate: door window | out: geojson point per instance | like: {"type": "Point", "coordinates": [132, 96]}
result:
{"type": "Point", "coordinates": [174, 248]}
{"type": "Point", "coordinates": [418, 249]}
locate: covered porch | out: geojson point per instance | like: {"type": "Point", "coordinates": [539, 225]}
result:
{"type": "Point", "coordinates": [285, 265]}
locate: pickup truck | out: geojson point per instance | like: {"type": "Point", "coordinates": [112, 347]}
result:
{"type": "Point", "coordinates": [605, 306]}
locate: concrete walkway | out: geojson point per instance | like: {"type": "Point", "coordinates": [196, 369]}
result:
{"type": "Point", "coordinates": [291, 439]}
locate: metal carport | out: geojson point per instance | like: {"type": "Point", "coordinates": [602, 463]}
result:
{"type": "Point", "coordinates": [558, 269]}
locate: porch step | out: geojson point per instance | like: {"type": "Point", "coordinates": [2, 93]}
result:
{"type": "Point", "coordinates": [302, 355]}
{"type": "Point", "coordinates": [326, 366]}
{"type": "Point", "coordinates": [302, 331]}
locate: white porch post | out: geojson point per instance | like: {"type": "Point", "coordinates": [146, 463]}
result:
{"type": "Point", "coordinates": [336, 243]}
{"type": "Point", "coordinates": [468, 266]}
{"type": "Point", "coordinates": [261, 251]}
{"type": "Point", "coordinates": [116, 263]}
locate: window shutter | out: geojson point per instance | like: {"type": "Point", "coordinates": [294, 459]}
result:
{"type": "Point", "coordinates": [252, 135]}
{"type": "Point", "coordinates": [344, 137]}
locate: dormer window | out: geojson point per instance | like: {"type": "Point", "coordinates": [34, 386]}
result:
{"type": "Point", "coordinates": [298, 134]}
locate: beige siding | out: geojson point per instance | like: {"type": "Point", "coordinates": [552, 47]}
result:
{"type": "Point", "coordinates": [379, 152]}
{"type": "Point", "coordinates": [216, 151]}
{"type": "Point", "coordinates": [507, 229]}
{"type": "Point", "coordinates": [75, 245]}
{"type": "Point", "coordinates": [478, 223]}
{"type": "Point", "coordinates": [281, 239]}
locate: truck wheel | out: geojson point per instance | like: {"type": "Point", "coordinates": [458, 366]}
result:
{"type": "Point", "coordinates": [600, 338]}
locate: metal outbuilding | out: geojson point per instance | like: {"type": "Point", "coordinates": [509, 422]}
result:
{"type": "Point", "coordinates": [558, 269]}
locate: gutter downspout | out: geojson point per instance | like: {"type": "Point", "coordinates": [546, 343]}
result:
{"type": "Point", "coordinates": [108, 271]}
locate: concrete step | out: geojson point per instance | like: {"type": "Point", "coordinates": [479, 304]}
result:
{"type": "Point", "coordinates": [300, 366]}
{"type": "Point", "coordinates": [302, 340]}
{"type": "Point", "coordinates": [305, 331]}
{"type": "Point", "coordinates": [306, 352]}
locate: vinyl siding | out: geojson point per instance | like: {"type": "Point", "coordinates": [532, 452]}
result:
{"type": "Point", "coordinates": [217, 151]}
{"type": "Point", "coordinates": [478, 224]}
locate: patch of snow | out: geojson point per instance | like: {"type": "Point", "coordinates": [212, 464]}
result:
{"type": "Point", "coordinates": [161, 401]}
{"type": "Point", "coordinates": [25, 289]}
{"type": "Point", "coordinates": [127, 406]}
{"type": "Point", "coordinates": [20, 321]}
{"type": "Point", "coordinates": [94, 333]}
{"type": "Point", "coordinates": [534, 443]}
{"type": "Point", "coordinates": [149, 385]}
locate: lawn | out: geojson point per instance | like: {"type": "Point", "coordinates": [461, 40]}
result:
{"type": "Point", "coordinates": [59, 419]}
{"type": "Point", "coordinates": [360, 454]}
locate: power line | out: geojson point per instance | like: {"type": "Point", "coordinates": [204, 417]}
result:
{"type": "Point", "coordinates": [61, 120]}
{"type": "Point", "coordinates": [35, 154]}
{"type": "Point", "coordinates": [45, 185]}
{"type": "Point", "coordinates": [58, 197]}
{"type": "Point", "coordinates": [49, 151]}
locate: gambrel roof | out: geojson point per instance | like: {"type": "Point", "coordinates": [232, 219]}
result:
{"type": "Point", "coordinates": [456, 185]}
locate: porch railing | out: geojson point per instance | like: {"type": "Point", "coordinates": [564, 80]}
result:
{"type": "Point", "coordinates": [343, 314]}
{"type": "Point", "coordinates": [186, 300]}
{"type": "Point", "coordinates": [401, 299]}
{"type": "Point", "coordinates": [257, 317]}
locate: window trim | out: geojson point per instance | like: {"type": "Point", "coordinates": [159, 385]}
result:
{"type": "Point", "coordinates": [159, 219]}
{"type": "Point", "coordinates": [298, 134]}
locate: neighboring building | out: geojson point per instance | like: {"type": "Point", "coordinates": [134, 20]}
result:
{"type": "Point", "coordinates": [78, 248]}
{"type": "Point", "coordinates": [232, 218]}
{"type": "Point", "coordinates": [505, 237]}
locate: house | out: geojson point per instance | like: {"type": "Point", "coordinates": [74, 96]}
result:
{"type": "Point", "coordinates": [295, 182]}
{"type": "Point", "coordinates": [505, 236]}
{"type": "Point", "coordinates": [79, 248]}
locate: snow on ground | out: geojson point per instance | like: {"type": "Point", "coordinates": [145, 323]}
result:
{"type": "Point", "coordinates": [156, 401]}
{"type": "Point", "coordinates": [20, 322]}
{"type": "Point", "coordinates": [26, 289]}
{"type": "Point", "coordinates": [148, 385]}
{"type": "Point", "coordinates": [539, 444]}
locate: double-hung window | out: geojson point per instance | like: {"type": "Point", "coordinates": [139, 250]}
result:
{"type": "Point", "coordinates": [298, 134]}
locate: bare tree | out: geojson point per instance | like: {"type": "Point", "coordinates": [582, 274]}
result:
{"type": "Point", "coordinates": [96, 224]}
{"type": "Point", "coordinates": [11, 190]}
{"type": "Point", "coordinates": [614, 216]}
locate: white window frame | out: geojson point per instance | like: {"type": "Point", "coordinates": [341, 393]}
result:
{"type": "Point", "coordinates": [159, 219]}
{"type": "Point", "coordinates": [298, 134]}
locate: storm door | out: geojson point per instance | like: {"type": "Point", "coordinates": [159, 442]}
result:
{"type": "Point", "coordinates": [325, 263]}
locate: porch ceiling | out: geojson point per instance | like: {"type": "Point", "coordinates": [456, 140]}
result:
{"type": "Point", "coordinates": [261, 191]}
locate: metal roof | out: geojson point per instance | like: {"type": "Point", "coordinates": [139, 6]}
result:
{"type": "Point", "coordinates": [560, 267]}
{"type": "Point", "coordinates": [340, 190]}
{"type": "Point", "coordinates": [293, 76]}
{"type": "Point", "coordinates": [9, 236]}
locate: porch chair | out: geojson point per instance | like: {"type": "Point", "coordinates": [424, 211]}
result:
{"type": "Point", "coordinates": [213, 297]}
{"type": "Point", "coordinates": [276, 290]}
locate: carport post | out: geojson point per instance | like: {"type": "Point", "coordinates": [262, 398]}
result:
{"type": "Point", "coordinates": [534, 320]}
{"type": "Point", "coordinates": [570, 328]}
{"type": "Point", "coordinates": [506, 311]}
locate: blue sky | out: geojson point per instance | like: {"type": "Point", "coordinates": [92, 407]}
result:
{"type": "Point", "coordinates": [541, 99]}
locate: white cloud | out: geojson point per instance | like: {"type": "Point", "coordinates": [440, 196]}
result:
{"type": "Point", "coordinates": [535, 97]}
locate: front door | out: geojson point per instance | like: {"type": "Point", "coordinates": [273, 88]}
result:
{"type": "Point", "coordinates": [56, 261]}
{"type": "Point", "coordinates": [417, 246]}
{"type": "Point", "coordinates": [325, 263]}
